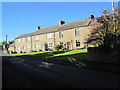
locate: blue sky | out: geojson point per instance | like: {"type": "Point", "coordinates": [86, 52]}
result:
{"type": "Point", "coordinates": [23, 17]}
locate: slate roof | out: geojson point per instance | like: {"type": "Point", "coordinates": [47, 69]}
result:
{"type": "Point", "coordinates": [56, 28]}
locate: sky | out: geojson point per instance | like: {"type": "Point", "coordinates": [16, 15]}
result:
{"type": "Point", "coordinates": [22, 17]}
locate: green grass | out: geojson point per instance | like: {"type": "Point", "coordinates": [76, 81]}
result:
{"type": "Point", "coordinates": [72, 52]}
{"type": "Point", "coordinates": [55, 53]}
{"type": "Point", "coordinates": [72, 56]}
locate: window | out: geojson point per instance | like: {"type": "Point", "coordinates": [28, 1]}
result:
{"type": "Point", "coordinates": [28, 47]}
{"type": "Point", "coordinates": [18, 40]}
{"type": "Point", "coordinates": [77, 32]}
{"type": "Point", "coordinates": [61, 43]}
{"type": "Point", "coordinates": [23, 39]}
{"type": "Point", "coordinates": [23, 47]}
{"type": "Point", "coordinates": [18, 48]}
{"type": "Point", "coordinates": [60, 34]}
{"type": "Point", "coordinates": [77, 43]}
{"type": "Point", "coordinates": [49, 44]}
{"type": "Point", "coordinates": [28, 39]}
{"type": "Point", "coordinates": [36, 46]}
{"type": "Point", "coordinates": [36, 37]}
{"type": "Point", "coordinates": [49, 35]}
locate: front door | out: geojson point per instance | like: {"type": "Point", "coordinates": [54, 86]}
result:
{"type": "Point", "coordinates": [43, 47]}
{"type": "Point", "coordinates": [68, 45]}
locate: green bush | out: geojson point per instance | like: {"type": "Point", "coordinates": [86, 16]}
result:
{"type": "Point", "coordinates": [13, 52]}
{"type": "Point", "coordinates": [58, 47]}
{"type": "Point", "coordinates": [39, 50]}
{"type": "Point", "coordinates": [32, 51]}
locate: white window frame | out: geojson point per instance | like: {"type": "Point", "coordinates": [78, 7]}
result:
{"type": "Point", "coordinates": [28, 39]}
{"type": "Point", "coordinates": [36, 46]}
{"type": "Point", "coordinates": [49, 35]}
{"type": "Point", "coordinates": [28, 47]}
{"type": "Point", "coordinates": [36, 37]}
{"type": "Point", "coordinates": [49, 44]}
{"type": "Point", "coordinates": [60, 34]}
{"type": "Point", "coordinates": [77, 32]}
{"type": "Point", "coordinates": [77, 43]}
{"type": "Point", "coordinates": [18, 40]}
{"type": "Point", "coordinates": [23, 39]}
{"type": "Point", "coordinates": [18, 48]}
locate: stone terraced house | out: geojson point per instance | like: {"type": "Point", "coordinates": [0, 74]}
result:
{"type": "Point", "coordinates": [71, 35]}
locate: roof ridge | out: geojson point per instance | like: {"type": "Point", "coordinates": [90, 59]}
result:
{"type": "Point", "coordinates": [55, 28]}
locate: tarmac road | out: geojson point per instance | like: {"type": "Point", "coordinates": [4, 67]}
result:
{"type": "Point", "coordinates": [23, 72]}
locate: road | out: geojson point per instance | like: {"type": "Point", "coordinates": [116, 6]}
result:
{"type": "Point", "coordinates": [23, 72]}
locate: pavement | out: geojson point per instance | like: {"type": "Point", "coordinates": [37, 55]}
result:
{"type": "Point", "coordinates": [24, 72]}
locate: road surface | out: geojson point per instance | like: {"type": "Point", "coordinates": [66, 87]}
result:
{"type": "Point", "coordinates": [23, 72]}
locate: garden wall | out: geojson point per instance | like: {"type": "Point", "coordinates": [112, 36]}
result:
{"type": "Point", "coordinates": [102, 55]}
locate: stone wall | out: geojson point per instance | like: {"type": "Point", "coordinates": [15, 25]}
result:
{"type": "Point", "coordinates": [102, 55]}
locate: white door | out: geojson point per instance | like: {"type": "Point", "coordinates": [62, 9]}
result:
{"type": "Point", "coordinates": [43, 47]}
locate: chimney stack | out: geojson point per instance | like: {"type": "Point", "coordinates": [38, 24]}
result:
{"type": "Point", "coordinates": [61, 22]}
{"type": "Point", "coordinates": [91, 16]}
{"type": "Point", "coordinates": [37, 28]}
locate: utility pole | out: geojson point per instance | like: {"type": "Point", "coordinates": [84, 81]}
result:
{"type": "Point", "coordinates": [6, 39]}
{"type": "Point", "coordinates": [6, 44]}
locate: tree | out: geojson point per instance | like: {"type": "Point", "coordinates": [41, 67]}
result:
{"type": "Point", "coordinates": [107, 34]}
{"type": "Point", "coordinates": [10, 42]}
{"type": "Point", "coordinates": [4, 44]}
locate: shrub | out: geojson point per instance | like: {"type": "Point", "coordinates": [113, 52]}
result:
{"type": "Point", "coordinates": [32, 51]}
{"type": "Point", "coordinates": [39, 50]}
{"type": "Point", "coordinates": [13, 52]}
{"type": "Point", "coordinates": [58, 47]}
{"type": "Point", "coordinates": [46, 47]}
{"type": "Point", "coordinates": [61, 47]}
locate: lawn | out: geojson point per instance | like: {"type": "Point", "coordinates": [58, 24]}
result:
{"type": "Point", "coordinates": [72, 56]}
{"type": "Point", "coordinates": [53, 54]}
